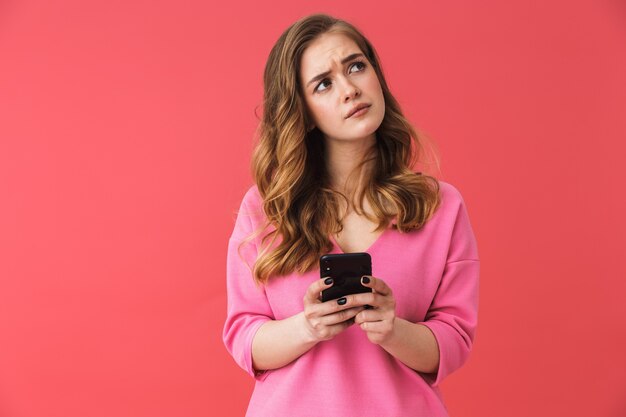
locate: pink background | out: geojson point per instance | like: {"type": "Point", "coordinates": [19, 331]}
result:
{"type": "Point", "coordinates": [125, 136]}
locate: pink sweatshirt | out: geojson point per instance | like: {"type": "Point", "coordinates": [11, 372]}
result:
{"type": "Point", "coordinates": [433, 273]}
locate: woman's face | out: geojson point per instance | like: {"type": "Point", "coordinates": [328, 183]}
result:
{"type": "Point", "coordinates": [336, 77]}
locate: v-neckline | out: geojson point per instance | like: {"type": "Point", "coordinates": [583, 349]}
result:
{"type": "Point", "coordinates": [374, 243]}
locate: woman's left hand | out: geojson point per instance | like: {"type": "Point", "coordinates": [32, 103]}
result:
{"type": "Point", "coordinates": [377, 321]}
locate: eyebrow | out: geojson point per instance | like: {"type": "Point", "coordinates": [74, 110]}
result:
{"type": "Point", "coordinates": [343, 61]}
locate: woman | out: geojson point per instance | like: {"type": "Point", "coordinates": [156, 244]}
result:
{"type": "Point", "coordinates": [333, 174]}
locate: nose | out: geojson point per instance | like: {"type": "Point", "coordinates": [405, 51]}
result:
{"type": "Point", "coordinates": [350, 91]}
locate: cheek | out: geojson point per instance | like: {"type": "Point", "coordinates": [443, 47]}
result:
{"type": "Point", "coordinates": [378, 95]}
{"type": "Point", "coordinates": [322, 114]}
{"type": "Point", "coordinates": [374, 85]}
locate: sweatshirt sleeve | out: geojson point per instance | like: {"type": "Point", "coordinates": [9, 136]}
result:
{"type": "Point", "coordinates": [452, 316]}
{"type": "Point", "coordinates": [248, 307]}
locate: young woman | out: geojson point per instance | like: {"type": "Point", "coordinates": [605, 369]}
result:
{"type": "Point", "coordinates": [333, 175]}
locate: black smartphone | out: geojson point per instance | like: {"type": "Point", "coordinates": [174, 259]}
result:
{"type": "Point", "coordinates": [346, 270]}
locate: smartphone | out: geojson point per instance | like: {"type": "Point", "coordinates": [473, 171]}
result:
{"type": "Point", "coordinates": [346, 270]}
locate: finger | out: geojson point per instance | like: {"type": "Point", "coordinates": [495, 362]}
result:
{"type": "Point", "coordinates": [377, 284]}
{"type": "Point", "coordinates": [367, 298]}
{"type": "Point", "coordinates": [374, 315]}
{"type": "Point", "coordinates": [313, 292]}
{"type": "Point", "coordinates": [340, 316]}
{"type": "Point", "coordinates": [382, 326]}
{"type": "Point", "coordinates": [335, 329]}
{"type": "Point", "coordinates": [367, 315]}
{"type": "Point", "coordinates": [333, 306]}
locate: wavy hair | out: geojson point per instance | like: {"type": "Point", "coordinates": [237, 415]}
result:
{"type": "Point", "coordinates": [289, 166]}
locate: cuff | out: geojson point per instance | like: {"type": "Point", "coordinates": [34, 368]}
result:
{"type": "Point", "coordinates": [247, 351]}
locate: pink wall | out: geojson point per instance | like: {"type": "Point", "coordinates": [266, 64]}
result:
{"type": "Point", "coordinates": [125, 137]}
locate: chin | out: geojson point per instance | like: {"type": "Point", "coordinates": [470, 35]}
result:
{"type": "Point", "coordinates": [357, 134]}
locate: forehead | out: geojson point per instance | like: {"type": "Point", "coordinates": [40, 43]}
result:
{"type": "Point", "coordinates": [324, 52]}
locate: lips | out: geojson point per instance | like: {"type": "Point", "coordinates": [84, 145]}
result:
{"type": "Point", "coordinates": [356, 109]}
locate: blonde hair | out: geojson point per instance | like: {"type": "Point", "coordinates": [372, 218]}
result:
{"type": "Point", "coordinates": [289, 167]}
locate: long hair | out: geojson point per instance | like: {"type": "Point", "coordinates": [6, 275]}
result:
{"type": "Point", "coordinates": [289, 167]}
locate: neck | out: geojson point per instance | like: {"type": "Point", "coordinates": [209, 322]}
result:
{"type": "Point", "coordinates": [343, 157]}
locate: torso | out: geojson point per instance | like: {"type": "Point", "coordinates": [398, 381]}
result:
{"type": "Point", "coordinates": [413, 265]}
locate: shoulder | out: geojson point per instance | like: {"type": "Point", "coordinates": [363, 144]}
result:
{"type": "Point", "coordinates": [451, 208]}
{"type": "Point", "coordinates": [250, 215]}
{"type": "Point", "coordinates": [252, 198]}
{"type": "Point", "coordinates": [252, 204]}
{"type": "Point", "coordinates": [445, 188]}
{"type": "Point", "coordinates": [451, 198]}
{"type": "Point", "coordinates": [453, 217]}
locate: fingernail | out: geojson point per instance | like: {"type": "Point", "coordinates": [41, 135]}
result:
{"type": "Point", "coordinates": [328, 281]}
{"type": "Point", "coordinates": [342, 301]}
{"type": "Point", "coordinates": [365, 280]}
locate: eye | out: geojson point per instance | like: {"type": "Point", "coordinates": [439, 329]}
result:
{"type": "Point", "coordinates": [317, 88]}
{"type": "Point", "coordinates": [360, 64]}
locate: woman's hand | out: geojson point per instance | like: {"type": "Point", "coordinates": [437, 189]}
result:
{"type": "Point", "coordinates": [379, 320]}
{"type": "Point", "coordinates": [325, 320]}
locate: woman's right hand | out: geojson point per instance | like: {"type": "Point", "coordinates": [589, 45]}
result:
{"type": "Point", "coordinates": [325, 320]}
{"type": "Point", "coordinates": [279, 342]}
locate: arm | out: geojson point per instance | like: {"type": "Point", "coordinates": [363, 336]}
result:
{"type": "Point", "coordinates": [251, 334]}
{"type": "Point", "coordinates": [414, 345]}
{"type": "Point", "coordinates": [248, 306]}
{"type": "Point", "coordinates": [279, 342]}
{"type": "Point", "coordinates": [453, 315]}
{"type": "Point", "coordinates": [442, 342]}
{"type": "Point", "coordinates": [411, 343]}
